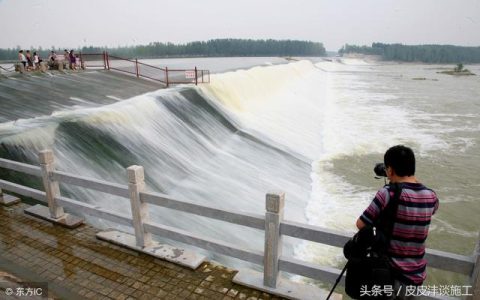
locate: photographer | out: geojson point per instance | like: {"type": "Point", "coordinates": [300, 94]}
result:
{"type": "Point", "coordinates": [410, 222]}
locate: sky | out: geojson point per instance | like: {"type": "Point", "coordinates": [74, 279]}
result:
{"type": "Point", "coordinates": [72, 24]}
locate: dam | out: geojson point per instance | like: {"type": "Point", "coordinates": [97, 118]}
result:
{"type": "Point", "coordinates": [221, 146]}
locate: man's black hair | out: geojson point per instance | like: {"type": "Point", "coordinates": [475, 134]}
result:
{"type": "Point", "coordinates": [401, 159]}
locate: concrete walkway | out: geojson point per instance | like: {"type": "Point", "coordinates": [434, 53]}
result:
{"type": "Point", "coordinates": [78, 266]}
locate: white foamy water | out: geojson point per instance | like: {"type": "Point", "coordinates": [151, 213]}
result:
{"type": "Point", "coordinates": [283, 102]}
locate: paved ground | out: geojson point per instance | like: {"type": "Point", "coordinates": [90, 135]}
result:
{"type": "Point", "coordinates": [78, 266]}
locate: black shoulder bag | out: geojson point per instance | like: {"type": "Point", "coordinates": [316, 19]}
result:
{"type": "Point", "coordinates": [368, 263]}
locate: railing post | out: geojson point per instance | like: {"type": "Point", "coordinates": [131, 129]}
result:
{"type": "Point", "coordinates": [196, 77]}
{"type": "Point", "coordinates": [136, 67]}
{"type": "Point", "coordinates": [52, 188]}
{"type": "Point", "coordinates": [82, 65]}
{"type": "Point", "coordinates": [104, 61]}
{"type": "Point", "coordinates": [476, 272]}
{"type": "Point", "coordinates": [273, 240]}
{"type": "Point", "coordinates": [166, 75]}
{"type": "Point", "coordinates": [136, 184]}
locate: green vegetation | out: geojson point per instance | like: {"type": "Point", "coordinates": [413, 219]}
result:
{"type": "Point", "coordinates": [418, 53]}
{"type": "Point", "coordinates": [218, 47]}
{"type": "Point", "coordinates": [458, 70]}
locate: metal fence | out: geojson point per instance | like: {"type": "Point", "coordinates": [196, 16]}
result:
{"type": "Point", "coordinates": [139, 69]}
{"type": "Point", "coordinates": [121, 64]}
{"type": "Point", "coordinates": [93, 60]}
{"type": "Point", "coordinates": [271, 222]}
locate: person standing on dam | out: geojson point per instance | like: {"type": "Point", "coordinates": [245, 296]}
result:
{"type": "Point", "coordinates": [415, 206]}
{"type": "Point", "coordinates": [66, 59]}
{"type": "Point", "coordinates": [71, 59]}
{"type": "Point", "coordinates": [22, 59]}
{"type": "Point", "coordinates": [29, 61]}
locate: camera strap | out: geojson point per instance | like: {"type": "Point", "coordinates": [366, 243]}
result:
{"type": "Point", "coordinates": [387, 218]}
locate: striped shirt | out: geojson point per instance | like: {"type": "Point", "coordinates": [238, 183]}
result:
{"type": "Point", "coordinates": [416, 206]}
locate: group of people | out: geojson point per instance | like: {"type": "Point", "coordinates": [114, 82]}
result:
{"type": "Point", "coordinates": [29, 63]}
{"type": "Point", "coordinates": [32, 62]}
{"type": "Point", "coordinates": [70, 59]}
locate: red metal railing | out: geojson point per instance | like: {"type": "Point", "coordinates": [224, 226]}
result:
{"type": "Point", "coordinates": [134, 67]}
{"type": "Point", "coordinates": [93, 60]}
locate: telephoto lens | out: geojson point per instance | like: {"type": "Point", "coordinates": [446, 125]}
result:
{"type": "Point", "coordinates": [380, 170]}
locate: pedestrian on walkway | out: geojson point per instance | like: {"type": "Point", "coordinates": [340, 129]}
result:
{"type": "Point", "coordinates": [73, 64]}
{"type": "Point", "coordinates": [29, 61]}
{"type": "Point", "coordinates": [36, 60]}
{"type": "Point", "coordinates": [22, 58]}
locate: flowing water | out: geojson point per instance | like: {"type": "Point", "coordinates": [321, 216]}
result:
{"type": "Point", "coordinates": [311, 129]}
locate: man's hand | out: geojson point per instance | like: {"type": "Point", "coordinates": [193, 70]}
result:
{"type": "Point", "coordinates": [360, 224]}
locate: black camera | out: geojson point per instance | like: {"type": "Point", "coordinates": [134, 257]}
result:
{"type": "Point", "coordinates": [380, 170]}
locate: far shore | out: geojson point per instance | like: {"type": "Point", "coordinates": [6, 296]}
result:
{"type": "Point", "coordinates": [378, 58]}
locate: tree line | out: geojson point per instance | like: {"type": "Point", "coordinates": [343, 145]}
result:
{"type": "Point", "coordinates": [418, 53]}
{"type": "Point", "coordinates": [215, 48]}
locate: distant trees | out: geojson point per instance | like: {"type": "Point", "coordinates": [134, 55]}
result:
{"type": "Point", "coordinates": [9, 54]}
{"type": "Point", "coordinates": [420, 53]}
{"type": "Point", "coordinates": [458, 68]}
{"type": "Point", "coordinates": [217, 47]}
{"type": "Point", "coordinates": [225, 47]}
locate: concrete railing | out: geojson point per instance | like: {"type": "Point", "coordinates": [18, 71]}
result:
{"type": "Point", "coordinates": [272, 223]}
